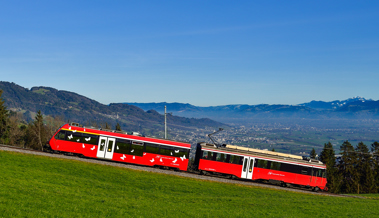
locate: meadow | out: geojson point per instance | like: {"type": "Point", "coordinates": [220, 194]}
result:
{"type": "Point", "coordinates": [37, 186]}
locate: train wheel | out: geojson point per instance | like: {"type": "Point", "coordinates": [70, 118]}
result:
{"type": "Point", "coordinates": [316, 189]}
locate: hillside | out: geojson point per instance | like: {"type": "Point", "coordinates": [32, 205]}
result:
{"type": "Point", "coordinates": [35, 186]}
{"type": "Point", "coordinates": [74, 107]}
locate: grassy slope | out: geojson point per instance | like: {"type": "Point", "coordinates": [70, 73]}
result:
{"type": "Point", "coordinates": [34, 186]}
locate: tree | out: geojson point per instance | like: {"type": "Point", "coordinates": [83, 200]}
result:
{"type": "Point", "coordinates": [333, 177]}
{"type": "Point", "coordinates": [16, 130]}
{"type": "Point", "coordinates": [118, 127]}
{"type": "Point", "coordinates": [313, 154]}
{"type": "Point", "coordinates": [37, 133]}
{"type": "Point", "coordinates": [38, 123]}
{"type": "Point", "coordinates": [350, 174]}
{"type": "Point", "coordinates": [366, 180]}
{"type": "Point", "coordinates": [4, 116]}
{"type": "Point", "coordinates": [375, 152]}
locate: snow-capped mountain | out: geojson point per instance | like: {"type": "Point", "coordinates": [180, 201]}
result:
{"type": "Point", "coordinates": [333, 105]}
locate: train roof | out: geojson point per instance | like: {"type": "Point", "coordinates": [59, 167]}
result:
{"type": "Point", "coordinates": [262, 153]}
{"type": "Point", "coordinates": [122, 134]}
{"type": "Point", "coordinates": [265, 152]}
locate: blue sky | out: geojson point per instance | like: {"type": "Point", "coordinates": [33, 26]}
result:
{"type": "Point", "coordinates": [198, 52]}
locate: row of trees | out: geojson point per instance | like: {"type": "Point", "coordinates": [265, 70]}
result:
{"type": "Point", "coordinates": [355, 170]}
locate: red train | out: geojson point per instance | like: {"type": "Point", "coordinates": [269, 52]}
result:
{"type": "Point", "coordinates": [118, 146]}
{"type": "Point", "coordinates": [254, 164]}
{"type": "Point", "coordinates": [227, 160]}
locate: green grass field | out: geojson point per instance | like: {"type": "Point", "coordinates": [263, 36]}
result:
{"type": "Point", "coordinates": [35, 186]}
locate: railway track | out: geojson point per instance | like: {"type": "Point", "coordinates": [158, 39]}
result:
{"type": "Point", "coordinates": [194, 175]}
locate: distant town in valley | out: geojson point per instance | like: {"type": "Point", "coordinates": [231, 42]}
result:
{"type": "Point", "coordinates": [295, 139]}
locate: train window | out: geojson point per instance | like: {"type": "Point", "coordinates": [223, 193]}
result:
{"type": "Point", "coordinates": [227, 159]}
{"type": "Point", "coordinates": [136, 149]}
{"type": "Point", "coordinates": [290, 168]}
{"type": "Point", "coordinates": [214, 155]}
{"type": "Point", "coordinates": [262, 163]}
{"type": "Point", "coordinates": [182, 152]}
{"type": "Point", "coordinates": [304, 170]}
{"type": "Point", "coordinates": [241, 159]}
{"type": "Point", "coordinates": [220, 157]}
{"type": "Point", "coordinates": [151, 148]}
{"type": "Point", "coordinates": [319, 174]}
{"type": "Point", "coordinates": [231, 159]}
{"type": "Point", "coordinates": [210, 155]}
{"type": "Point", "coordinates": [166, 150]}
{"type": "Point", "coordinates": [60, 135]}
{"type": "Point", "coordinates": [310, 171]}
{"type": "Point", "coordinates": [323, 174]}
{"type": "Point", "coordinates": [102, 144]}
{"type": "Point", "coordinates": [251, 165]}
{"type": "Point", "coordinates": [90, 139]}
{"type": "Point", "coordinates": [74, 136]}
{"type": "Point", "coordinates": [296, 169]}
{"type": "Point", "coordinates": [268, 164]}
{"type": "Point", "coordinates": [205, 154]}
{"type": "Point", "coordinates": [236, 159]}
{"type": "Point", "coordinates": [77, 136]}
{"type": "Point", "coordinates": [275, 166]}
{"type": "Point", "coordinates": [122, 146]}
{"type": "Point", "coordinates": [245, 165]}
{"type": "Point", "coordinates": [110, 146]}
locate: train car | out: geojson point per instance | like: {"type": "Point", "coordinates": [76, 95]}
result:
{"type": "Point", "coordinates": [254, 164]}
{"type": "Point", "coordinates": [121, 147]}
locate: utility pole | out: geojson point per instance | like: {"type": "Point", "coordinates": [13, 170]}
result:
{"type": "Point", "coordinates": [165, 123]}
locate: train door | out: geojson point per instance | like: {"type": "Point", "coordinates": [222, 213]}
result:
{"type": "Point", "coordinates": [247, 168]}
{"type": "Point", "coordinates": [106, 147]}
{"type": "Point", "coordinates": [314, 178]}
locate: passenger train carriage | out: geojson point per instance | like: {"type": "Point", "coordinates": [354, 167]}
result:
{"type": "Point", "coordinates": [255, 164]}
{"type": "Point", "coordinates": [118, 146]}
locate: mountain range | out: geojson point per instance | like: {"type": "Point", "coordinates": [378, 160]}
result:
{"type": "Point", "coordinates": [352, 108]}
{"type": "Point", "coordinates": [77, 108]}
